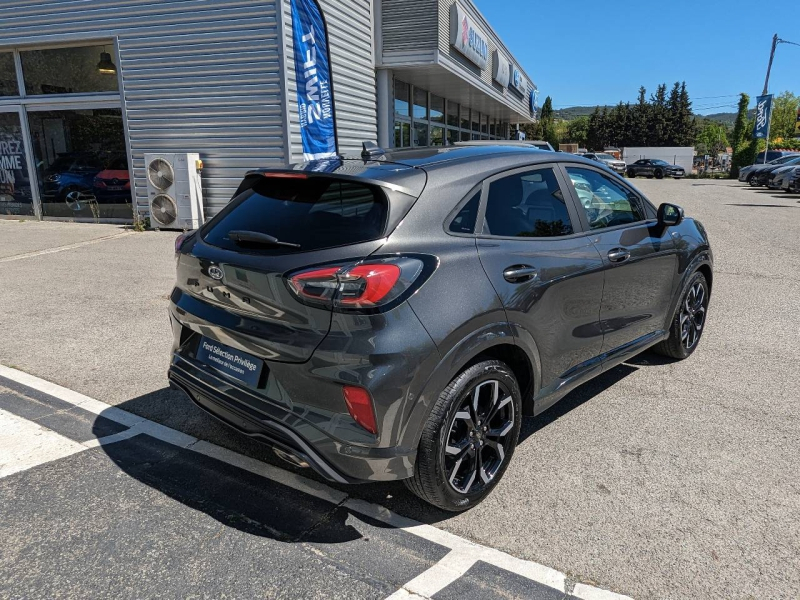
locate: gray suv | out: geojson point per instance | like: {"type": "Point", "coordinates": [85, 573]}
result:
{"type": "Point", "coordinates": [395, 316]}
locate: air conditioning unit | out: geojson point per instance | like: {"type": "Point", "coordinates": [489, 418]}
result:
{"type": "Point", "coordinates": [174, 192]}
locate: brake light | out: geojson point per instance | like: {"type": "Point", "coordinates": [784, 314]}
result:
{"type": "Point", "coordinates": [359, 405]}
{"type": "Point", "coordinates": [367, 285]}
{"type": "Point", "coordinates": [284, 175]}
{"type": "Point", "coordinates": [181, 239]}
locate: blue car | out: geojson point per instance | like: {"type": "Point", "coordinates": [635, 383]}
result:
{"type": "Point", "coordinates": [72, 172]}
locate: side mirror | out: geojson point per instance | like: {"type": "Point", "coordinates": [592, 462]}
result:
{"type": "Point", "coordinates": [669, 215]}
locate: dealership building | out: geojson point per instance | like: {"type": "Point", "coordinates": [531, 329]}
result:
{"type": "Point", "coordinates": [87, 89]}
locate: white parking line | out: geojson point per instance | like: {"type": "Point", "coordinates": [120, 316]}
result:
{"type": "Point", "coordinates": [463, 555]}
{"type": "Point", "coordinates": [24, 445]}
{"type": "Point", "coordinates": [63, 248]}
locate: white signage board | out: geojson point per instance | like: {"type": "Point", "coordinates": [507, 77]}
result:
{"type": "Point", "coordinates": [467, 38]}
{"type": "Point", "coordinates": [501, 70]}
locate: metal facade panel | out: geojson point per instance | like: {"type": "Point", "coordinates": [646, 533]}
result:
{"type": "Point", "coordinates": [410, 25]}
{"type": "Point", "coordinates": [520, 104]}
{"type": "Point", "coordinates": [350, 39]}
{"type": "Point", "coordinates": [198, 76]}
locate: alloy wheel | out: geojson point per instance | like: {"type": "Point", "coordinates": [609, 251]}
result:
{"type": "Point", "coordinates": [693, 315]}
{"type": "Point", "coordinates": [478, 437]}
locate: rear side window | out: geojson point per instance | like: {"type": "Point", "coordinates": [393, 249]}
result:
{"type": "Point", "coordinates": [313, 213]}
{"type": "Point", "coordinates": [528, 204]}
{"type": "Point", "coordinates": [464, 221]}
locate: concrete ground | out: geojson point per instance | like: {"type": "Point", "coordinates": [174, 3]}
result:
{"type": "Point", "coordinates": [656, 480]}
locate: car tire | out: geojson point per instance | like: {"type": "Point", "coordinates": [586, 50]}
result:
{"type": "Point", "coordinates": [659, 174]}
{"type": "Point", "coordinates": [456, 468]}
{"type": "Point", "coordinates": [692, 311]}
{"type": "Point", "coordinates": [752, 180]}
{"type": "Point", "coordinates": [632, 174]}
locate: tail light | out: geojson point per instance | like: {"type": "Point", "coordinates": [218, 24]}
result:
{"type": "Point", "coordinates": [359, 405]}
{"type": "Point", "coordinates": [374, 284]}
{"type": "Point", "coordinates": [181, 239]}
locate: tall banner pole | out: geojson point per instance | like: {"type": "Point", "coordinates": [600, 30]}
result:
{"type": "Point", "coordinates": [312, 67]}
{"type": "Point", "coordinates": [763, 119]}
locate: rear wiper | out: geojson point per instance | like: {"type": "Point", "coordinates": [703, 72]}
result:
{"type": "Point", "coordinates": [262, 239]}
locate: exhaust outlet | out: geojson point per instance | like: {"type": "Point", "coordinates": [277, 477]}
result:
{"type": "Point", "coordinates": [290, 458]}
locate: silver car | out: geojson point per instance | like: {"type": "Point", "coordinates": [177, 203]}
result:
{"type": "Point", "coordinates": [609, 160]}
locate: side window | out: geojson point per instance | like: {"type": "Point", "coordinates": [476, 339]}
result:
{"type": "Point", "coordinates": [527, 204]}
{"type": "Point", "coordinates": [464, 222]}
{"type": "Point", "coordinates": [606, 202]}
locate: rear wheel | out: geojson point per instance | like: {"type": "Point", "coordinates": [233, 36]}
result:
{"type": "Point", "coordinates": [752, 180]}
{"type": "Point", "coordinates": [688, 322]}
{"type": "Point", "coordinates": [659, 174]}
{"type": "Point", "coordinates": [469, 438]}
{"type": "Point", "coordinates": [631, 173]}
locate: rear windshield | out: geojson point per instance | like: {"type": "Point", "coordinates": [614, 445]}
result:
{"type": "Point", "coordinates": [314, 213]}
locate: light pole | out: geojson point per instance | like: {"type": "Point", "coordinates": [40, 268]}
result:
{"type": "Point", "coordinates": [775, 41]}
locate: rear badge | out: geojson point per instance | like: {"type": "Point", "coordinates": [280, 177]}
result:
{"type": "Point", "coordinates": [215, 273]}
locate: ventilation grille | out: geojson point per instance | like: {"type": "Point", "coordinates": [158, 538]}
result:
{"type": "Point", "coordinates": [163, 210]}
{"type": "Point", "coordinates": [160, 174]}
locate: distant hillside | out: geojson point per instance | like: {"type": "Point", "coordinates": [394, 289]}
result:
{"type": "Point", "coordinates": [572, 112]}
{"type": "Point", "coordinates": [567, 114]}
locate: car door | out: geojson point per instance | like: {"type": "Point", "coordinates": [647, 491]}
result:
{"type": "Point", "coordinates": [547, 272]}
{"type": "Point", "coordinates": [638, 255]}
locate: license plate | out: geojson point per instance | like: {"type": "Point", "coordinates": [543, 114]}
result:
{"type": "Point", "coordinates": [115, 188]}
{"type": "Point", "coordinates": [230, 361]}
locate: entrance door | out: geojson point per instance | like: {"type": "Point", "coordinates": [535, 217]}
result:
{"type": "Point", "coordinates": [547, 273]}
{"type": "Point", "coordinates": [16, 194]}
{"type": "Point", "coordinates": [638, 257]}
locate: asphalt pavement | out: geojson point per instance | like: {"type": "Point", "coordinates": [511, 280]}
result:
{"type": "Point", "coordinates": [656, 480]}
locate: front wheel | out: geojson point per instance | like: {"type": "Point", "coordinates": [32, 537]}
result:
{"type": "Point", "coordinates": [659, 174]}
{"type": "Point", "coordinates": [688, 322]}
{"type": "Point", "coordinates": [631, 173]}
{"type": "Point", "coordinates": [469, 438]}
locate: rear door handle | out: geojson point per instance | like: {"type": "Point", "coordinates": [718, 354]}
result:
{"type": "Point", "coordinates": [519, 273]}
{"type": "Point", "coordinates": [617, 255]}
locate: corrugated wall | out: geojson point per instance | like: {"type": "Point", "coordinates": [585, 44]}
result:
{"type": "Point", "coordinates": [199, 76]}
{"type": "Point", "coordinates": [350, 38]}
{"type": "Point", "coordinates": [410, 24]}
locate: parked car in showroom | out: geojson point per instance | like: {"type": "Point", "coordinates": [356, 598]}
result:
{"type": "Point", "coordinates": [655, 167]}
{"type": "Point", "coordinates": [750, 173]}
{"type": "Point", "coordinates": [761, 176]}
{"type": "Point", "coordinates": [113, 183]}
{"type": "Point", "coordinates": [396, 315]}
{"type": "Point", "coordinates": [70, 172]}
{"type": "Point", "coordinates": [609, 160]}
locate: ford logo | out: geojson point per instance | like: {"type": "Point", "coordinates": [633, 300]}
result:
{"type": "Point", "coordinates": [215, 273]}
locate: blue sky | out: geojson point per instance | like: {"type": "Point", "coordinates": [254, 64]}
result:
{"type": "Point", "coordinates": [584, 52]}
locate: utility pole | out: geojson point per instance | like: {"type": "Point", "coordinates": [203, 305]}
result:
{"type": "Point", "coordinates": [766, 89]}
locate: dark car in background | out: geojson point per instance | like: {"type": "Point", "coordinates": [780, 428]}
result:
{"type": "Point", "coordinates": [761, 177]}
{"type": "Point", "coordinates": [750, 173]}
{"type": "Point", "coordinates": [396, 316]}
{"type": "Point", "coordinates": [611, 161]}
{"type": "Point", "coordinates": [654, 167]}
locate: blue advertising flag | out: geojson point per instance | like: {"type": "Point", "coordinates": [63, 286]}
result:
{"type": "Point", "coordinates": [313, 72]}
{"type": "Point", "coordinates": [763, 114]}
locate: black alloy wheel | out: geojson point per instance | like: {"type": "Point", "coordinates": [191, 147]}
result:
{"type": "Point", "coordinates": [659, 174]}
{"type": "Point", "coordinates": [469, 438]}
{"type": "Point", "coordinates": [751, 179]}
{"type": "Point", "coordinates": [631, 173]}
{"type": "Point", "coordinates": [478, 437]}
{"type": "Point", "coordinates": [689, 320]}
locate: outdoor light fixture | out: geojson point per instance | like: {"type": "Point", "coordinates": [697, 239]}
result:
{"type": "Point", "coordinates": [106, 65]}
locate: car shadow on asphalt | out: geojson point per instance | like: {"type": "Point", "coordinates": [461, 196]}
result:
{"type": "Point", "coordinates": [240, 499]}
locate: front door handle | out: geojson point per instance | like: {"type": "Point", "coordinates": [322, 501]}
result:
{"type": "Point", "coordinates": [519, 273]}
{"type": "Point", "coordinates": [617, 255]}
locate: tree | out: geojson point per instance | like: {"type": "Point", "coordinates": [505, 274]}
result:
{"type": "Point", "coordinates": [658, 125]}
{"type": "Point", "coordinates": [578, 131]}
{"type": "Point", "coordinates": [594, 137]}
{"type": "Point", "coordinates": [743, 147]}
{"type": "Point", "coordinates": [640, 118]}
{"type": "Point", "coordinates": [712, 139]}
{"type": "Point", "coordinates": [784, 117]}
{"type": "Point", "coordinates": [549, 133]}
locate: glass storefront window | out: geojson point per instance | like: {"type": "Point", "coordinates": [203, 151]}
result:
{"type": "Point", "coordinates": [485, 124]}
{"type": "Point", "coordinates": [437, 136]}
{"type": "Point", "coordinates": [420, 134]}
{"type": "Point", "coordinates": [420, 104]}
{"type": "Point", "coordinates": [8, 75]}
{"type": "Point", "coordinates": [15, 187]}
{"type": "Point", "coordinates": [401, 100]}
{"type": "Point", "coordinates": [82, 165]}
{"type": "Point", "coordinates": [452, 135]}
{"type": "Point", "coordinates": [452, 114]}
{"type": "Point", "coordinates": [476, 124]}
{"type": "Point", "coordinates": [437, 109]}
{"type": "Point", "coordinates": [464, 118]}
{"type": "Point", "coordinates": [69, 70]}
{"type": "Point", "coordinates": [465, 136]}
{"type": "Point", "coordinates": [492, 128]}
{"type": "Point", "coordinates": [402, 134]}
